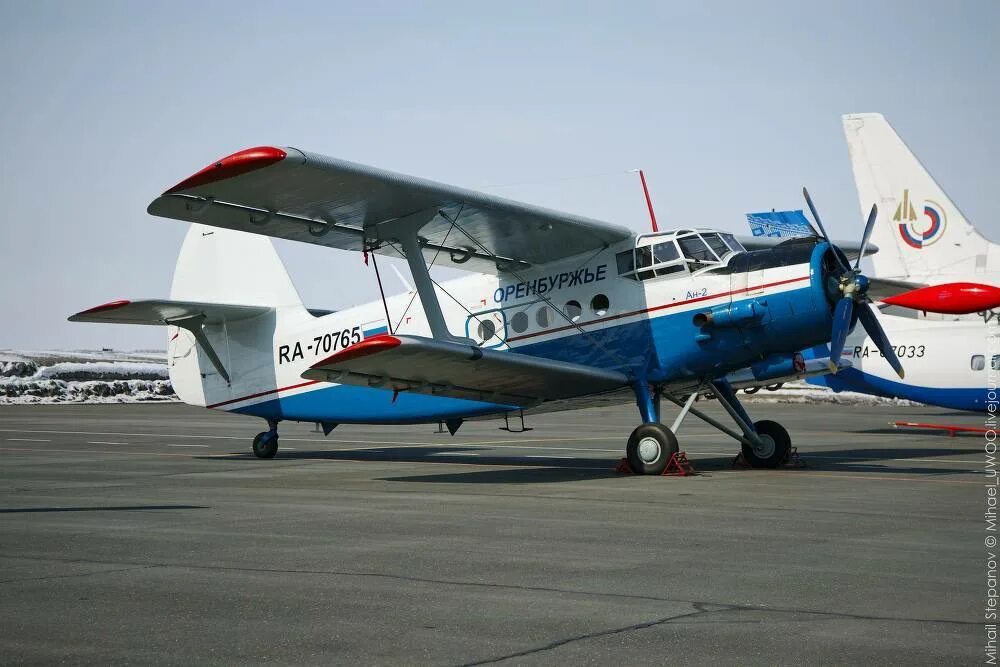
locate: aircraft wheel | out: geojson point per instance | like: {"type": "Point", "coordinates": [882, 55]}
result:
{"type": "Point", "coordinates": [649, 449]}
{"type": "Point", "coordinates": [774, 448]}
{"type": "Point", "coordinates": [265, 445]}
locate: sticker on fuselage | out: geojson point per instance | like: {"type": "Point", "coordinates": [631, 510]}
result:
{"type": "Point", "coordinates": [552, 283]}
{"type": "Point", "coordinates": [321, 344]}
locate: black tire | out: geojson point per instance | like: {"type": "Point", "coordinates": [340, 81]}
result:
{"type": "Point", "coordinates": [645, 459]}
{"type": "Point", "coordinates": [751, 390]}
{"type": "Point", "coordinates": [265, 445]}
{"type": "Point", "coordinates": [777, 445]}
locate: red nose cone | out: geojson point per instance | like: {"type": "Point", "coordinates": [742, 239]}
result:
{"type": "Point", "coordinates": [950, 298]}
{"type": "Point", "coordinates": [233, 165]}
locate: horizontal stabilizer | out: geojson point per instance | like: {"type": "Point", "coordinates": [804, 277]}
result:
{"type": "Point", "coordinates": [165, 311]}
{"type": "Point", "coordinates": [427, 366]}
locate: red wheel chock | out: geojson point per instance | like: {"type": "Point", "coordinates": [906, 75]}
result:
{"type": "Point", "coordinates": [677, 466]}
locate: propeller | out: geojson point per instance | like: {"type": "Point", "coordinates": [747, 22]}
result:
{"type": "Point", "coordinates": [853, 288]}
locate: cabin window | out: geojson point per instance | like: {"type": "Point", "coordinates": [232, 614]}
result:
{"type": "Point", "coordinates": [519, 322]}
{"type": "Point", "coordinates": [542, 316]}
{"type": "Point", "coordinates": [995, 362]}
{"type": "Point", "coordinates": [978, 362]}
{"type": "Point", "coordinates": [600, 304]}
{"type": "Point", "coordinates": [573, 310]}
{"type": "Point", "coordinates": [486, 330]}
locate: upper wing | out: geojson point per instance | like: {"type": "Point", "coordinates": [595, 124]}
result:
{"type": "Point", "coordinates": [423, 365]}
{"type": "Point", "coordinates": [164, 311]}
{"type": "Point", "coordinates": [292, 194]}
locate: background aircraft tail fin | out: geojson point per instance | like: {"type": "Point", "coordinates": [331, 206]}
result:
{"type": "Point", "coordinates": [920, 232]}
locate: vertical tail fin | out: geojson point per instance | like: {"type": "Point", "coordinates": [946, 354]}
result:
{"type": "Point", "coordinates": [225, 266]}
{"type": "Point", "coordinates": [920, 232]}
{"type": "Point", "coordinates": [229, 267]}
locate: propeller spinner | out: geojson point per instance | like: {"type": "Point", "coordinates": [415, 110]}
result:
{"type": "Point", "coordinates": [852, 286]}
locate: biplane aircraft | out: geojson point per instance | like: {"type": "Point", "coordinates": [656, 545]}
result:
{"type": "Point", "coordinates": [560, 311]}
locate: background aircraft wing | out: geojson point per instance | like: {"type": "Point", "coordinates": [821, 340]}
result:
{"type": "Point", "coordinates": [164, 311]}
{"type": "Point", "coordinates": [427, 366]}
{"type": "Point", "coordinates": [769, 228]}
{"type": "Point", "coordinates": [291, 194]}
{"type": "Point", "coordinates": [850, 248]}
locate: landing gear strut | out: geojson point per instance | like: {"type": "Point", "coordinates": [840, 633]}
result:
{"type": "Point", "coordinates": [765, 444]}
{"type": "Point", "coordinates": [265, 443]}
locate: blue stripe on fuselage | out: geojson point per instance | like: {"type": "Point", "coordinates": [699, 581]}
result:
{"type": "Point", "coordinates": [664, 345]}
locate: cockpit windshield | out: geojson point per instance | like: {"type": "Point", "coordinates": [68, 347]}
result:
{"type": "Point", "coordinates": [696, 250]}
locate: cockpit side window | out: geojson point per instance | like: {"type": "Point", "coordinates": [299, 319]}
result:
{"type": "Point", "coordinates": [665, 252]}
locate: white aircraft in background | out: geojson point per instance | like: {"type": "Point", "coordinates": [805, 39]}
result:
{"type": "Point", "coordinates": [923, 239]}
{"type": "Point", "coordinates": [921, 234]}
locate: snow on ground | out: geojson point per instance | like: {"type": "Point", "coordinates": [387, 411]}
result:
{"type": "Point", "coordinates": [84, 376]}
{"type": "Point", "coordinates": [110, 376]}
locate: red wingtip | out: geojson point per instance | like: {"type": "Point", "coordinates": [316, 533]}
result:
{"type": "Point", "coordinates": [232, 165]}
{"type": "Point", "coordinates": [373, 345]}
{"type": "Point", "coordinates": [111, 305]}
{"type": "Point", "coordinates": [949, 298]}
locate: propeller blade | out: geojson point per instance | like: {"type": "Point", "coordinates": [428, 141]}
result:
{"type": "Point", "coordinates": [819, 223]}
{"type": "Point", "coordinates": [869, 226]}
{"type": "Point", "coordinates": [877, 334]}
{"type": "Point", "coordinates": [842, 313]}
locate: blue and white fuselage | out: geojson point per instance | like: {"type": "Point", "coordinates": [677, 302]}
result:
{"type": "Point", "coordinates": [633, 308]}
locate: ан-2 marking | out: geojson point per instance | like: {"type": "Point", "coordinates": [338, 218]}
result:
{"type": "Point", "coordinates": [323, 344]}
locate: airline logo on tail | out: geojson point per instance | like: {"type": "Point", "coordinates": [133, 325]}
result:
{"type": "Point", "coordinates": [918, 234]}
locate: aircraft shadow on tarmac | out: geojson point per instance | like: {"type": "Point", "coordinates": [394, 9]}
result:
{"type": "Point", "coordinates": [119, 508]}
{"type": "Point", "coordinates": [518, 469]}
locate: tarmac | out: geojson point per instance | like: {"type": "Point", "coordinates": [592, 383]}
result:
{"type": "Point", "coordinates": [149, 534]}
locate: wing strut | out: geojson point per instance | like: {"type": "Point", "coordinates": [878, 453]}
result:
{"type": "Point", "coordinates": [195, 324]}
{"type": "Point", "coordinates": [405, 231]}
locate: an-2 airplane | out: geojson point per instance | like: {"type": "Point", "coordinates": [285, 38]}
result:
{"type": "Point", "coordinates": [566, 312]}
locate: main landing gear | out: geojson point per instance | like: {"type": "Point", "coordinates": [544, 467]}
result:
{"type": "Point", "coordinates": [265, 443]}
{"type": "Point", "coordinates": [765, 444]}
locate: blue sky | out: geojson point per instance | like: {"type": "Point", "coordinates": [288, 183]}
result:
{"type": "Point", "coordinates": [729, 107]}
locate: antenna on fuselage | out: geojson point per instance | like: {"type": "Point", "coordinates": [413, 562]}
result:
{"type": "Point", "coordinates": [649, 202]}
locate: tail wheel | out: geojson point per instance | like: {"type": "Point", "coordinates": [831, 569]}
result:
{"type": "Point", "coordinates": [775, 445]}
{"type": "Point", "coordinates": [265, 445]}
{"type": "Point", "coordinates": [649, 449]}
